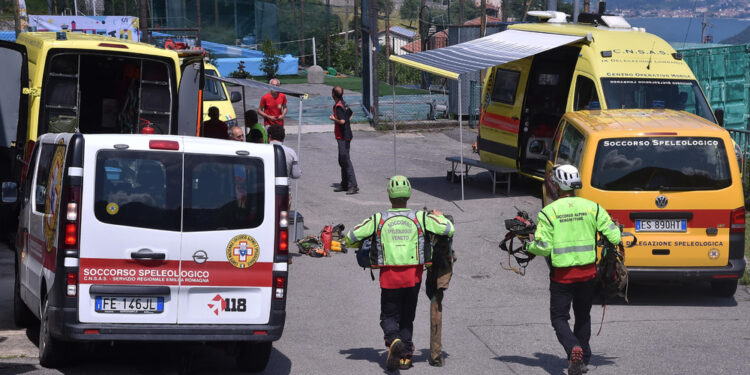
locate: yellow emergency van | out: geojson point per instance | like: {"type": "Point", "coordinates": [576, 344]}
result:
{"type": "Point", "coordinates": [611, 65]}
{"type": "Point", "coordinates": [670, 177]}
{"type": "Point", "coordinates": [215, 94]}
{"type": "Point", "coordinates": [63, 82]}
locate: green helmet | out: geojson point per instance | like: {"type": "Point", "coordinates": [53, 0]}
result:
{"type": "Point", "coordinates": [399, 187]}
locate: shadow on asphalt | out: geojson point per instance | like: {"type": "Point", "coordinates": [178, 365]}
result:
{"type": "Point", "coordinates": [671, 294]}
{"type": "Point", "coordinates": [476, 186]}
{"type": "Point", "coordinates": [366, 354]}
{"type": "Point", "coordinates": [553, 364]}
{"type": "Point", "coordinates": [159, 358]}
{"type": "Point", "coordinates": [16, 368]}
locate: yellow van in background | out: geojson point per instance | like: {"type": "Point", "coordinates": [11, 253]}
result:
{"type": "Point", "coordinates": [670, 177]}
{"type": "Point", "coordinates": [215, 94]}
{"type": "Point", "coordinates": [612, 65]}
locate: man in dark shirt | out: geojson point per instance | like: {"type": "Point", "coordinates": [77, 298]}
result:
{"type": "Point", "coordinates": [215, 128]}
{"type": "Point", "coordinates": [343, 131]}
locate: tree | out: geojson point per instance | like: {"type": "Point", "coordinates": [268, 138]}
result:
{"type": "Point", "coordinates": [409, 10]}
{"type": "Point", "coordinates": [270, 62]}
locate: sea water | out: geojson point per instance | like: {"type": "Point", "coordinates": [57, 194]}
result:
{"type": "Point", "coordinates": [689, 29]}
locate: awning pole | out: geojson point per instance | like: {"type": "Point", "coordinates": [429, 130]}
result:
{"type": "Point", "coordinates": [461, 136]}
{"type": "Point", "coordinates": [296, 184]}
{"type": "Point", "coordinates": [244, 110]}
{"type": "Point", "coordinates": [393, 86]}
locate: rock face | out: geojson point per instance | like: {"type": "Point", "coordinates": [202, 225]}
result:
{"type": "Point", "coordinates": [315, 74]}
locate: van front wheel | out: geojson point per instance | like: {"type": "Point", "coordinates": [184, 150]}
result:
{"type": "Point", "coordinates": [253, 357]}
{"type": "Point", "coordinates": [724, 288]}
{"type": "Point", "coordinates": [50, 349]}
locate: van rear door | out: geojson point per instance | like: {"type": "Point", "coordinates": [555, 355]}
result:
{"type": "Point", "coordinates": [130, 230]}
{"type": "Point", "coordinates": [228, 233]}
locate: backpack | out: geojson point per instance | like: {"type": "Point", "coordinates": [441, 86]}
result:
{"type": "Point", "coordinates": [611, 272]}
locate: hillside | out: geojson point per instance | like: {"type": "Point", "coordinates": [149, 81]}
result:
{"type": "Point", "coordinates": [742, 37]}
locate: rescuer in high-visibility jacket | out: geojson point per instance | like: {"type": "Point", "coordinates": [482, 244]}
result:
{"type": "Point", "coordinates": [400, 254]}
{"type": "Point", "coordinates": [566, 233]}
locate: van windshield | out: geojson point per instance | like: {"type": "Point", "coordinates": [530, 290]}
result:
{"type": "Point", "coordinates": [214, 90]}
{"type": "Point", "coordinates": [660, 164]}
{"type": "Point", "coordinates": [682, 95]}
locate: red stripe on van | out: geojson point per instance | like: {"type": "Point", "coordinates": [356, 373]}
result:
{"type": "Point", "coordinates": [701, 218]}
{"type": "Point", "coordinates": [48, 259]}
{"type": "Point", "coordinates": [131, 272]}
{"type": "Point", "coordinates": [499, 122]}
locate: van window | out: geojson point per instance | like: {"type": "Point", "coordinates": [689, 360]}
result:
{"type": "Point", "coordinates": [571, 146]}
{"type": "Point", "coordinates": [681, 95]}
{"type": "Point", "coordinates": [506, 83]}
{"type": "Point", "coordinates": [214, 90]}
{"type": "Point", "coordinates": [223, 192]}
{"type": "Point", "coordinates": [585, 94]}
{"type": "Point", "coordinates": [47, 178]}
{"type": "Point", "coordinates": [661, 163]}
{"type": "Point", "coordinates": [139, 189]}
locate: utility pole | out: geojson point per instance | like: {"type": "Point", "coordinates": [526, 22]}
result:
{"type": "Point", "coordinates": [387, 41]}
{"type": "Point", "coordinates": [328, 33]}
{"type": "Point", "coordinates": [143, 22]}
{"type": "Point", "coordinates": [302, 27]}
{"type": "Point", "coordinates": [346, 22]}
{"type": "Point", "coordinates": [483, 19]}
{"type": "Point", "coordinates": [372, 17]}
{"type": "Point", "coordinates": [356, 38]}
{"type": "Point", "coordinates": [460, 13]}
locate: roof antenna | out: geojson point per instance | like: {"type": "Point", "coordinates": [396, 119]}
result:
{"type": "Point", "coordinates": [650, 56]}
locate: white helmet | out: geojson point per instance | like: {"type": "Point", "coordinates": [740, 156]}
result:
{"type": "Point", "coordinates": [567, 177]}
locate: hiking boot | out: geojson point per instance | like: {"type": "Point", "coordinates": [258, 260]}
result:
{"type": "Point", "coordinates": [405, 364]}
{"type": "Point", "coordinates": [585, 368]}
{"type": "Point", "coordinates": [353, 190]}
{"type": "Point", "coordinates": [340, 188]}
{"type": "Point", "coordinates": [393, 360]}
{"type": "Point", "coordinates": [575, 363]}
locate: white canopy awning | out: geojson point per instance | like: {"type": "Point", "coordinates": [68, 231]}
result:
{"type": "Point", "coordinates": [483, 53]}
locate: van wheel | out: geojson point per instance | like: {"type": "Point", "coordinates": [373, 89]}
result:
{"type": "Point", "coordinates": [253, 357]}
{"type": "Point", "coordinates": [22, 316]}
{"type": "Point", "coordinates": [724, 288]}
{"type": "Point", "coordinates": [51, 353]}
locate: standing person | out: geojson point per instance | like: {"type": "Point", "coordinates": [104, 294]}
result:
{"type": "Point", "coordinates": [236, 134]}
{"type": "Point", "coordinates": [343, 132]}
{"type": "Point", "coordinates": [251, 122]}
{"type": "Point", "coordinates": [396, 234]}
{"type": "Point", "coordinates": [215, 128]}
{"type": "Point", "coordinates": [566, 233]}
{"type": "Point", "coordinates": [276, 135]}
{"type": "Point", "coordinates": [273, 106]}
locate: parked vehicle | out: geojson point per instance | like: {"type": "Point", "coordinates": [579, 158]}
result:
{"type": "Point", "coordinates": [153, 238]}
{"type": "Point", "coordinates": [670, 177]}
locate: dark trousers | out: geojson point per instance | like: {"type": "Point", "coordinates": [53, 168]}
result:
{"type": "Point", "coordinates": [348, 180]}
{"type": "Point", "coordinates": [397, 310]}
{"type": "Point", "coordinates": [581, 296]}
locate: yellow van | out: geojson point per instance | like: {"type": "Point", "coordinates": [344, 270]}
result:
{"type": "Point", "coordinates": [612, 66]}
{"type": "Point", "coordinates": [215, 94]}
{"type": "Point", "coordinates": [670, 177]}
{"type": "Point", "coordinates": [55, 82]}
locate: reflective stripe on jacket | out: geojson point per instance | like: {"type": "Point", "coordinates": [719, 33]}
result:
{"type": "Point", "coordinates": [566, 231]}
{"type": "Point", "coordinates": [399, 236]}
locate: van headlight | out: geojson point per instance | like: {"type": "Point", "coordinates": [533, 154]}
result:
{"type": "Point", "coordinates": [232, 122]}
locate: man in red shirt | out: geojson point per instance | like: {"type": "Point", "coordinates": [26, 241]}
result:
{"type": "Point", "coordinates": [273, 106]}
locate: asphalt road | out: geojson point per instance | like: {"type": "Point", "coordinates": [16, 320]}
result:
{"type": "Point", "coordinates": [495, 322]}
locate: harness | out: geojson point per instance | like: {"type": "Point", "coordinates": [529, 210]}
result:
{"type": "Point", "coordinates": [378, 257]}
{"type": "Point", "coordinates": [521, 225]}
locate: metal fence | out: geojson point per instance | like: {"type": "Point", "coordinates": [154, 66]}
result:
{"type": "Point", "coordinates": [742, 139]}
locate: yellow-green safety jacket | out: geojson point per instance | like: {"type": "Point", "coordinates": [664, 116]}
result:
{"type": "Point", "coordinates": [566, 231]}
{"type": "Point", "coordinates": [399, 236]}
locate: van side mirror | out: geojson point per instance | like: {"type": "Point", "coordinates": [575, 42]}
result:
{"type": "Point", "coordinates": [719, 113]}
{"type": "Point", "coordinates": [235, 97]}
{"type": "Point", "coordinates": [9, 193]}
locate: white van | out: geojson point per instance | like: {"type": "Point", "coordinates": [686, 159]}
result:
{"type": "Point", "coordinates": [153, 238]}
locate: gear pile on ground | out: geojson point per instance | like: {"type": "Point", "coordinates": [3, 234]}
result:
{"type": "Point", "coordinates": [321, 246]}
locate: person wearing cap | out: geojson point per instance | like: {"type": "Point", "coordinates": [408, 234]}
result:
{"type": "Point", "coordinates": [398, 250]}
{"type": "Point", "coordinates": [566, 234]}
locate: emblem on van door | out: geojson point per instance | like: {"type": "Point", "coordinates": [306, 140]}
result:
{"type": "Point", "coordinates": [243, 251]}
{"type": "Point", "coordinates": [661, 201]}
{"type": "Point", "coordinates": [200, 257]}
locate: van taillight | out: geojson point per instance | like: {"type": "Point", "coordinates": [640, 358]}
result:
{"type": "Point", "coordinates": [71, 223]}
{"type": "Point", "coordinates": [279, 287]}
{"type": "Point", "coordinates": [72, 284]}
{"type": "Point", "coordinates": [282, 225]}
{"type": "Point", "coordinates": [737, 220]}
